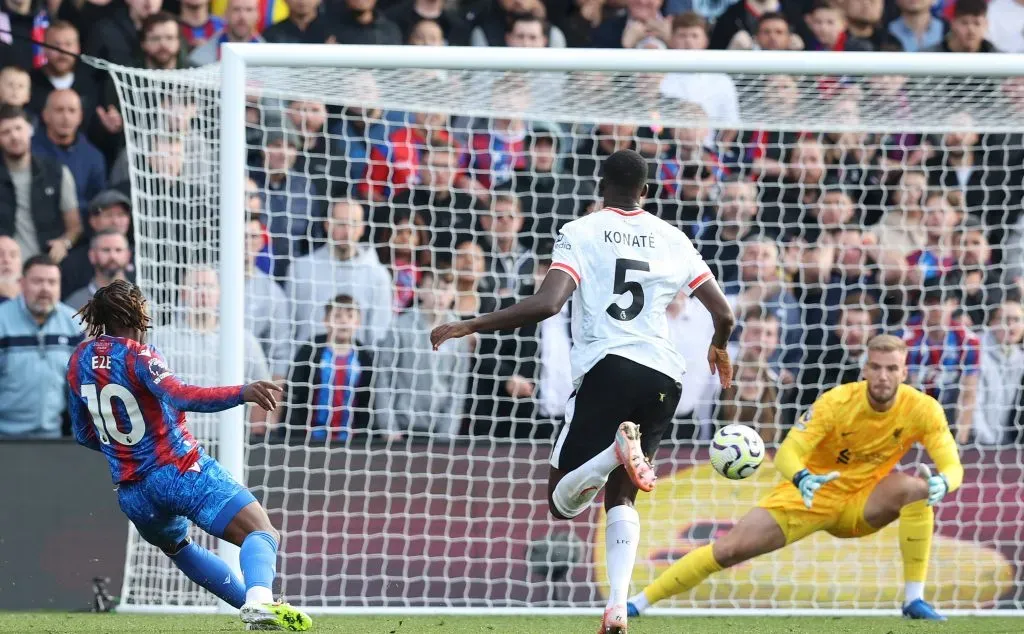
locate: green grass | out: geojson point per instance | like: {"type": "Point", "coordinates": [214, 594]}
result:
{"type": "Point", "coordinates": [139, 624]}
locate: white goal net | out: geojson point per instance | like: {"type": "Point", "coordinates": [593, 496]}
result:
{"type": "Point", "coordinates": [830, 207]}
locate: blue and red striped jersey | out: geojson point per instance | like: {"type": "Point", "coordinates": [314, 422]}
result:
{"type": "Point", "coordinates": [195, 36]}
{"type": "Point", "coordinates": [936, 367]}
{"type": "Point", "coordinates": [126, 403]}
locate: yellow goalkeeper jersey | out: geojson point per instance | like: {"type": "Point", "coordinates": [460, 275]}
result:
{"type": "Point", "coordinates": [842, 432]}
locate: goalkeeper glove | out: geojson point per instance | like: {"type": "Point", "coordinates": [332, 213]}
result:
{"type": "Point", "coordinates": [938, 486]}
{"type": "Point", "coordinates": [808, 484]}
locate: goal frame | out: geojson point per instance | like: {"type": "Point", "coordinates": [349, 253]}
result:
{"type": "Point", "coordinates": [237, 57]}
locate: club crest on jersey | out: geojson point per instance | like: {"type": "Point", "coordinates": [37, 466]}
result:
{"type": "Point", "coordinates": [801, 423]}
{"type": "Point", "coordinates": [158, 370]}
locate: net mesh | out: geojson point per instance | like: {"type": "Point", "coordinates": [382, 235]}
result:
{"type": "Point", "coordinates": [829, 208]}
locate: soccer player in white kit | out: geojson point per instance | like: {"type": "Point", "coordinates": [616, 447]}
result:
{"type": "Point", "coordinates": [622, 266]}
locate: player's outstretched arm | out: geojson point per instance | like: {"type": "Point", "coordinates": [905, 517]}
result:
{"type": "Point", "coordinates": [166, 386]}
{"type": "Point", "coordinates": [711, 295]}
{"type": "Point", "coordinates": [554, 292]}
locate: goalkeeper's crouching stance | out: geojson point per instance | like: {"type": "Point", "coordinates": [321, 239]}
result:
{"type": "Point", "coordinates": [837, 462]}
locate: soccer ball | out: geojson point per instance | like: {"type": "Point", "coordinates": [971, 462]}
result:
{"type": "Point", "coordinates": [736, 451]}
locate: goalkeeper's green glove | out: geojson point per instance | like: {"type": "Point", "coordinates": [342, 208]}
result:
{"type": "Point", "coordinates": [808, 484]}
{"type": "Point", "coordinates": [938, 486]}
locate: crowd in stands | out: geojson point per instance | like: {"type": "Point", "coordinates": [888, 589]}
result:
{"type": "Point", "coordinates": [366, 228]}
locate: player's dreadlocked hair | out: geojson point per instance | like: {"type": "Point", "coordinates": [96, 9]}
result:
{"type": "Point", "coordinates": [120, 305]}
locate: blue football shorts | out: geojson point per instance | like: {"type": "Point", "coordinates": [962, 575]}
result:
{"type": "Point", "coordinates": [161, 505]}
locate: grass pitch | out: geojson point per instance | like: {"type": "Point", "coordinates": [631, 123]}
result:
{"type": "Point", "coordinates": [25, 622]}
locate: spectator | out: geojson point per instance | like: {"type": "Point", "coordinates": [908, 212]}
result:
{"type": "Point", "coordinates": [450, 211]}
{"type": "Point", "coordinates": [932, 262]}
{"type": "Point", "coordinates": [426, 33]}
{"type": "Point", "coordinates": [110, 210]}
{"type": "Point", "coordinates": [803, 182]}
{"type": "Point", "coordinates": [901, 231]}
{"type": "Point", "coordinates": [22, 22]}
{"type": "Point", "coordinates": [110, 257]}
{"type": "Point", "coordinates": [980, 282]}
{"type": "Point", "coordinates": [294, 205]}
{"type": "Point", "coordinates": [842, 357]}
{"type": "Point", "coordinates": [269, 12]}
{"type": "Point", "coordinates": [305, 24]}
{"type": "Point", "coordinates": [311, 126]}
{"type": "Point", "coordinates": [690, 328]}
{"type": "Point", "coordinates": [329, 393]}
{"type": "Point", "coordinates": [1002, 370]}
{"type": "Point", "coordinates": [360, 131]}
{"type": "Point", "coordinates": [1006, 25]}
{"type": "Point", "coordinates": [394, 164]}
{"type": "Point", "coordinates": [15, 87]}
{"type": "Point", "coordinates": [190, 344]}
{"type": "Point", "coordinates": [714, 92]}
{"type": "Point", "coordinates": [554, 384]}
{"type": "Point", "coordinates": [916, 28]}
{"type": "Point", "coordinates": [407, 14]}
{"type": "Point", "coordinates": [500, 149]}
{"type": "Point", "coordinates": [521, 23]}
{"type": "Point", "coordinates": [61, 141]}
{"type": "Point", "coordinates": [267, 311]}
{"type": "Point", "coordinates": [38, 204]}
{"type": "Point", "coordinates": [967, 29]}
{"type": "Point", "coordinates": [10, 269]}
{"type": "Point", "coordinates": [198, 25]}
{"type": "Point", "coordinates": [762, 151]}
{"type": "Point", "coordinates": [734, 28]}
{"type": "Point", "coordinates": [161, 43]}
{"type": "Point", "coordinates": [510, 266]}
{"type": "Point", "coordinates": [115, 37]}
{"type": "Point", "coordinates": [548, 196]}
{"type": "Point", "coordinates": [592, 149]}
{"type": "Point", "coordinates": [773, 33]}
{"type": "Point", "coordinates": [833, 210]}
{"type": "Point", "coordinates": [359, 22]}
{"type": "Point", "coordinates": [420, 389]}
{"type": "Point", "coordinates": [943, 360]}
{"type": "Point", "coordinates": [827, 24]}
{"type": "Point", "coordinates": [472, 295]}
{"type": "Point", "coordinates": [38, 334]}
{"type": "Point", "coordinates": [623, 29]}
{"type": "Point", "coordinates": [241, 25]}
{"type": "Point", "coordinates": [865, 22]}
{"type": "Point", "coordinates": [752, 399]}
{"type": "Point", "coordinates": [718, 237]}
{"type": "Point", "coordinates": [343, 265]}
{"type": "Point", "coordinates": [61, 72]}
{"type": "Point", "coordinates": [684, 177]}
{"type": "Point", "coordinates": [399, 251]}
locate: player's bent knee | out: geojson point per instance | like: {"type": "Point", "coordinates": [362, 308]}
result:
{"type": "Point", "coordinates": [915, 490]}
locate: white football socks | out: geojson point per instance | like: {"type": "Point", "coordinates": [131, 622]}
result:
{"type": "Point", "coordinates": [913, 590]}
{"type": "Point", "coordinates": [640, 601]}
{"type": "Point", "coordinates": [621, 540]}
{"type": "Point", "coordinates": [578, 488]}
{"type": "Point", "coordinates": [259, 594]}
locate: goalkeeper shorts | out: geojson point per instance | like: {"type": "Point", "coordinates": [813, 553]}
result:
{"type": "Point", "coordinates": [841, 518]}
{"type": "Point", "coordinates": [161, 505]}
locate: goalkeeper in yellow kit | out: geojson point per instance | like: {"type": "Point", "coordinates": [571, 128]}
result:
{"type": "Point", "coordinates": [837, 462]}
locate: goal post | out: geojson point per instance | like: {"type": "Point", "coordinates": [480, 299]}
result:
{"type": "Point", "coordinates": [384, 519]}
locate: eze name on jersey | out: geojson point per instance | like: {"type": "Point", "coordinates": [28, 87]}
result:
{"type": "Point", "coordinates": [629, 239]}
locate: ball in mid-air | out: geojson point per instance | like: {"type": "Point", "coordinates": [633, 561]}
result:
{"type": "Point", "coordinates": [736, 451]}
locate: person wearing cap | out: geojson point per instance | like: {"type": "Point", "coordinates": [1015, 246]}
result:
{"type": "Point", "coordinates": [109, 210]}
{"type": "Point", "coordinates": [110, 257]}
{"type": "Point", "coordinates": [944, 358]}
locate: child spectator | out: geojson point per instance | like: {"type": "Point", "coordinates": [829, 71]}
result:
{"type": "Point", "coordinates": [828, 29]}
{"type": "Point", "coordinates": [198, 26]}
{"type": "Point", "coordinates": [15, 87]}
{"type": "Point", "coordinates": [423, 390]}
{"type": "Point", "coordinates": [967, 29]}
{"type": "Point", "coordinates": [328, 388]}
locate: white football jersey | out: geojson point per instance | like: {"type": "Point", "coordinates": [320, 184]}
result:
{"type": "Point", "coordinates": [628, 266]}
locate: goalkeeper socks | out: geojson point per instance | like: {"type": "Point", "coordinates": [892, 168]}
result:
{"type": "Point", "coordinates": [578, 488]}
{"type": "Point", "coordinates": [621, 540]}
{"type": "Point", "coordinates": [211, 572]}
{"type": "Point", "coordinates": [683, 575]}
{"type": "Point", "coordinates": [258, 558]}
{"type": "Point", "coordinates": [917, 521]}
